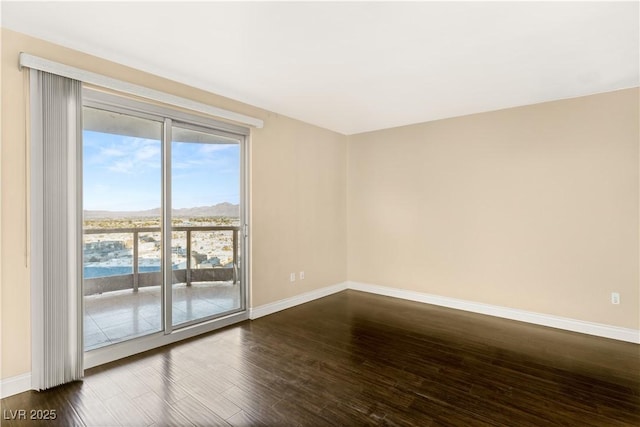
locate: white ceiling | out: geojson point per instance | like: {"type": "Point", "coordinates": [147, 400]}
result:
{"type": "Point", "coordinates": [359, 66]}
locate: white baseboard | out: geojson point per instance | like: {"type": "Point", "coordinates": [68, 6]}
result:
{"type": "Point", "coordinates": [283, 304]}
{"type": "Point", "coordinates": [15, 385]}
{"type": "Point", "coordinates": [590, 328]}
{"type": "Point", "coordinates": [574, 325]}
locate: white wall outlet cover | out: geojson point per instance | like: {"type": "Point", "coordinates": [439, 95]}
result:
{"type": "Point", "coordinates": [615, 298]}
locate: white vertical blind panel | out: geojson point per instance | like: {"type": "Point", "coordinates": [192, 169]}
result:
{"type": "Point", "coordinates": [36, 232]}
{"type": "Point", "coordinates": [62, 295]}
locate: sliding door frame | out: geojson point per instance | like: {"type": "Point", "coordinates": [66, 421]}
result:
{"type": "Point", "coordinates": [167, 267]}
{"type": "Point", "coordinates": [169, 116]}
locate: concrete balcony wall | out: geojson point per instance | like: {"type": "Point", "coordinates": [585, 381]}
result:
{"type": "Point", "coordinates": [99, 285]}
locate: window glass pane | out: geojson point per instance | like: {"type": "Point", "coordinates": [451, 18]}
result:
{"type": "Point", "coordinates": [205, 193]}
{"type": "Point", "coordinates": [122, 245]}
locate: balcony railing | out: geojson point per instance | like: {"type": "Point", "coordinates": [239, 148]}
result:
{"type": "Point", "coordinates": [188, 275]}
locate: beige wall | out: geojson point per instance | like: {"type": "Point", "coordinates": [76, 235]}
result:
{"type": "Point", "coordinates": [533, 208]}
{"type": "Point", "coordinates": [298, 207]}
{"type": "Point", "coordinates": [298, 203]}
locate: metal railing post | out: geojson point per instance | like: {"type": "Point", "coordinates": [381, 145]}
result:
{"type": "Point", "coordinates": [135, 261]}
{"type": "Point", "coordinates": [188, 257]}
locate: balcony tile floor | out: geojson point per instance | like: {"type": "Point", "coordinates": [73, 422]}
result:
{"type": "Point", "coordinates": [112, 317]}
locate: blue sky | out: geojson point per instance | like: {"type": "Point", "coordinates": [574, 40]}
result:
{"type": "Point", "coordinates": [123, 173]}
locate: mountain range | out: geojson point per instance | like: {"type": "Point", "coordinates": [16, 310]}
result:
{"type": "Point", "coordinates": [224, 209]}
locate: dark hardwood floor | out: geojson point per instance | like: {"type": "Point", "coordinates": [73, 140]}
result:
{"type": "Point", "coordinates": [357, 359]}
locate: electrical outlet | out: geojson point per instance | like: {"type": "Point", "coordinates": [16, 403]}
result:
{"type": "Point", "coordinates": [615, 298]}
{"type": "Point", "coordinates": [302, 275]}
{"type": "Point", "coordinates": [292, 277]}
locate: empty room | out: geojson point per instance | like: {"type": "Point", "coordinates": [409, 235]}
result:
{"type": "Point", "coordinates": [320, 213]}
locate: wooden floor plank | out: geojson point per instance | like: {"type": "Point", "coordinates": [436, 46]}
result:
{"type": "Point", "coordinates": [197, 413]}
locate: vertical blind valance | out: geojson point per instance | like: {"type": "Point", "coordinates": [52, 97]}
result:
{"type": "Point", "coordinates": [56, 133]}
{"type": "Point", "coordinates": [42, 64]}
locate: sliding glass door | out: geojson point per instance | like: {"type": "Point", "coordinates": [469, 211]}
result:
{"type": "Point", "coordinates": [205, 224]}
{"type": "Point", "coordinates": [163, 226]}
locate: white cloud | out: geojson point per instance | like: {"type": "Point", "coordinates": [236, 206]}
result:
{"type": "Point", "coordinates": [147, 151]}
{"type": "Point", "coordinates": [212, 148]}
{"type": "Point", "coordinates": [132, 156]}
{"type": "Point", "coordinates": [112, 152]}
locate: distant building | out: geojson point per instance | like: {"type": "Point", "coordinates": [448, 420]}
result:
{"type": "Point", "coordinates": [198, 258]}
{"type": "Point", "coordinates": [179, 250]}
{"type": "Point", "coordinates": [210, 263]}
{"type": "Point", "coordinates": [104, 246]}
{"type": "Point", "coordinates": [105, 250]}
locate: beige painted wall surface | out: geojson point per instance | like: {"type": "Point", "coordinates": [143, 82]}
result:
{"type": "Point", "coordinates": [298, 207]}
{"type": "Point", "coordinates": [533, 208]}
